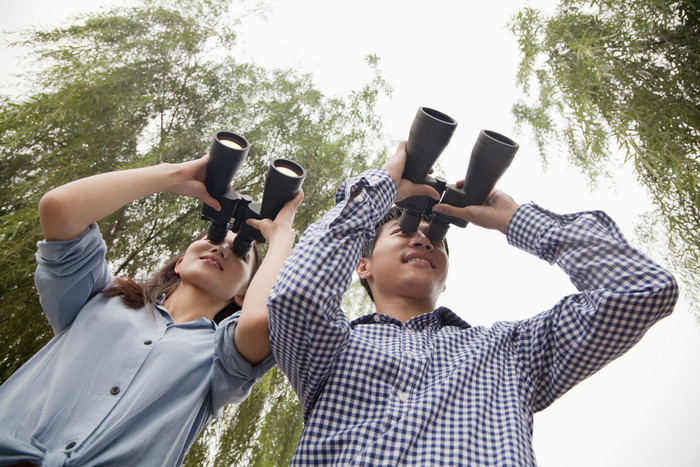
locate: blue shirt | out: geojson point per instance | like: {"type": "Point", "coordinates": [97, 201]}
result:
{"type": "Point", "coordinates": [115, 386]}
{"type": "Point", "coordinates": [434, 390]}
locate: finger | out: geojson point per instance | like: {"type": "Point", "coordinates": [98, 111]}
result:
{"type": "Point", "coordinates": [289, 209]}
{"type": "Point", "coordinates": [418, 189]}
{"type": "Point", "coordinates": [258, 223]}
{"type": "Point", "coordinates": [206, 198]}
{"type": "Point", "coordinates": [298, 198]}
{"type": "Point", "coordinates": [492, 197]}
{"type": "Point", "coordinates": [453, 211]}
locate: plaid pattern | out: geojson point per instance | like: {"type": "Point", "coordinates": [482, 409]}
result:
{"type": "Point", "coordinates": [436, 390]}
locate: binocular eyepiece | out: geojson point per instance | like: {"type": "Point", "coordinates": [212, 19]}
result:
{"type": "Point", "coordinates": [491, 156]}
{"type": "Point", "coordinates": [226, 155]}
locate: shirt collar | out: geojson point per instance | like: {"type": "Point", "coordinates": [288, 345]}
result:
{"type": "Point", "coordinates": [439, 317]}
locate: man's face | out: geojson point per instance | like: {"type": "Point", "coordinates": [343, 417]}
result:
{"type": "Point", "coordinates": [404, 264]}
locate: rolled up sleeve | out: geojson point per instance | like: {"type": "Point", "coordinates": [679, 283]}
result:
{"type": "Point", "coordinates": [68, 274]}
{"type": "Point", "coordinates": [233, 375]}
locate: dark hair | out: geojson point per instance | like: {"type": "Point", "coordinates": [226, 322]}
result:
{"type": "Point", "coordinates": [138, 293]}
{"type": "Point", "coordinates": [368, 247]}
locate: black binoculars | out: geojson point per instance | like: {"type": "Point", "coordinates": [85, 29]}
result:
{"type": "Point", "coordinates": [430, 133]}
{"type": "Point", "coordinates": [283, 181]}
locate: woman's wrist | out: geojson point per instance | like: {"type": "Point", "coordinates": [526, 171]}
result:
{"type": "Point", "coordinates": [282, 237]}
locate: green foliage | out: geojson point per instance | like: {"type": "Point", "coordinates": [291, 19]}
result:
{"type": "Point", "coordinates": [626, 72]}
{"type": "Point", "coordinates": [141, 85]}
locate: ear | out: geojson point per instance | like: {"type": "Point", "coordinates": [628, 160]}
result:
{"type": "Point", "coordinates": [238, 298]}
{"type": "Point", "coordinates": [177, 266]}
{"type": "Point", "coordinates": [362, 268]}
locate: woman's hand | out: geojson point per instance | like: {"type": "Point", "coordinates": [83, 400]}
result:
{"type": "Point", "coordinates": [189, 181]}
{"type": "Point", "coordinates": [281, 228]}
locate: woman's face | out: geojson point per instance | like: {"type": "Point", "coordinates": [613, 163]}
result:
{"type": "Point", "coordinates": [214, 269]}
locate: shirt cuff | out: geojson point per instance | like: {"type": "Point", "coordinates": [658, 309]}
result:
{"type": "Point", "coordinates": [375, 187]}
{"type": "Point", "coordinates": [233, 376]}
{"type": "Point", "coordinates": [61, 251]}
{"type": "Point", "coordinates": [528, 225]}
{"type": "Point", "coordinates": [231, 360]}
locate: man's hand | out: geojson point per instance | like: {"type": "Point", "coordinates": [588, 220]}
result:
{"type": "Point", "coordinates": [495, 213]}
{"type": "Point", "coordinates": [405, 188]}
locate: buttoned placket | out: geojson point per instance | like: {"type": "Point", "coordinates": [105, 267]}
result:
{"type": "Point", "coordinates": [147, 347]}
{"type": "Point", "coordinates": [411, 368]}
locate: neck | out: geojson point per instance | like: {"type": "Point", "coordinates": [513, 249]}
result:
{"type": "Point", "coordinates": [187, 303]}
{"type": "Point", "coordinates": [403, 308]}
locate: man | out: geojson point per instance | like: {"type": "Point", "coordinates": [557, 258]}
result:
{"type": "Point", "coordinates": [415, 384]}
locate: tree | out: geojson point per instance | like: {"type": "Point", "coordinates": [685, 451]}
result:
{"type": "Point", "coordinates": [626, 72]}
{"type": "Point", "coordinates": [135, 86]}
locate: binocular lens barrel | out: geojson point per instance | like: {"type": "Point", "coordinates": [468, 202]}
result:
{"type": "Point", "coordinates": [283, 182]}
{"type": "Point", "coordinates": [491, 156]}
{"type": "Point", "coordinates": [226, 155]}
{"type": "Point", "coordinates": [430, 133]}
{"type": "Point", "coordinates": [410, 220]}
{"type": "Point", "coordinates": [216, 233]}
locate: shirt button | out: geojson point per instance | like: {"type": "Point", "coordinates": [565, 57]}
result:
{"type": "Point", "coordinates": [374, 178]}
{"type": "Point", "coordinates": [70, 445]}
{"type": "Point", "coordinates": [403, 397]}
{"type": "Point", "coordinates": [410, 353]}
{"type": "Point", "coordinates": [377, 318]}
{"type": "Point", "coordinates": [114, 391]}
{"type": "Point", "coordinates": [588, 217]}
{"type": "Point", "coordinates": [148, 342]}
{"type": "Point", "coordinates": [360, 198]}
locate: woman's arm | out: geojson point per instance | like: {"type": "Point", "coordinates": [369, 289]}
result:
{"type": "Point", "coordinates": [67, 211]}
{"type": "Point", "coordinates": [252, 337]}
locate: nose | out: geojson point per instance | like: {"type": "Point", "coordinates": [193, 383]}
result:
{"type": "Point", "coordinates": [221, 249]}
{"type": "Point", "coordinates": [418, 240]}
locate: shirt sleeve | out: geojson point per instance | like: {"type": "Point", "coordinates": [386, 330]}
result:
{"type": "Point", "coordinates": [622, 293]}
{"type": "Point", "coordinates": [68, 274]}
{"type": "Point", "coordinates": [308, 329]}
{"type": "Point", "coordinates": [233, 375]}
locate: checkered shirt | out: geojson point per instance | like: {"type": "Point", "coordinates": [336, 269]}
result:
{"type": "Point", "coordinates": [436, 391]}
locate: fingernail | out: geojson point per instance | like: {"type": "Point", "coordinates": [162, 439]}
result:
{"type": "Point", "coordinates": [437, 208]}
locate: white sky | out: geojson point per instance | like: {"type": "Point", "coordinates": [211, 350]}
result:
{"type": "Point", "coordinates": [458, 57]}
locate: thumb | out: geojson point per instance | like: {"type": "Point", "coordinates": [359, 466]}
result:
{"type": "Point", "coordinates": [206, 198]}
{"type": "Point", "coordinates": [407, 189]}
{"type": "Point", "coordinates": [465, 213]}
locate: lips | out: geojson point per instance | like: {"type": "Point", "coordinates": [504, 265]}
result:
{"type": "Point", "coordinates": [213, 261]}
{"type": "Point", "coordinates": [419, 258]}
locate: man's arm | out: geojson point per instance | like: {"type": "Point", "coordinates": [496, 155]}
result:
{"type": "Point", "coordinates": [622, 294]}
{"type": "Point", "coordinates": [307, 326]}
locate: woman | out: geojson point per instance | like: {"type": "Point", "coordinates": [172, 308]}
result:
{"type": "Point", "coordinates": [136, 370]}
